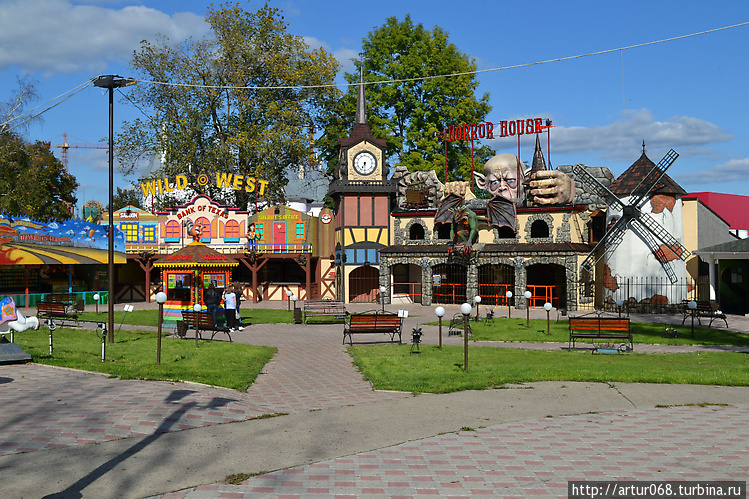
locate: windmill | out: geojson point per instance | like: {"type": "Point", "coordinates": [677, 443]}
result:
{"type": "Point", "coordinates": [659, 240]}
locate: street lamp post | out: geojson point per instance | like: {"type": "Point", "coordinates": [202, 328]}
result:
{"type": "Point", "coordinates": [477, 299]}
{"type": "Point", "coordinates": [96, 299]}
{"type": "Point", "coordinates": [288, 299]}
{"type": "Point", "coordinates": [160, 299]}
{"type": "Point", "coordinates": [527, 295]}
{"type": "Point", "coordinates": [111, 82]}
{"type": "Point", "coordinates": [509, 310]}
{"type": "Point", "coordinates": [465, 309]}
{"type": "Point", "coordinates": [692, 310]}
{"type": "Point", "coordinates": [547, 307]}
{"type": "Point", "coordinates": [440, 312]}
{"type": "Point", "coordinates": [198, 308]}
{"type": "Point", "coordinates": [619, 304]}
{"type": "Point", "coordinates": [382, 297]}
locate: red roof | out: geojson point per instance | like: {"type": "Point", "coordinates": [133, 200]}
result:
{"type": "Point", "coordinates": [626, 183]}
{"type": "Point", "coordinates": [733, 208]}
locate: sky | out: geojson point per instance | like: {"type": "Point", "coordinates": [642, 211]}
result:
{"type": "Point", "coordinates": [689, 93]}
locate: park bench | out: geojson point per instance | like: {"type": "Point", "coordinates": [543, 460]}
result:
{"type": "Point", "coordinates": [458, 322]}
{"type": "Point", "coordinates": [200, 321]}
{"type": "Point", "coordinates": [372, 323]}
{"type": "Point", "coordinates": [323, 308]}
{"type": "Point", "coordinates": [599, 328]}
{"type": "Point", "coordinates": [56, 310]}
{"type": "Point", "coordinates": [706, 309]}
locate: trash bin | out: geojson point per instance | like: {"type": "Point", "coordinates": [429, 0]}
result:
{"type": "Point", "coordinates": [297, 315]}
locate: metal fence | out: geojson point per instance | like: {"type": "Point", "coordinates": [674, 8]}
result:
{"type": "Point", "coordinates": [646, 295]}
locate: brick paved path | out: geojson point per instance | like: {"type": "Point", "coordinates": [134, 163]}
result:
{"type": "Point", "coordinates": [533, 458]}
{"type": "Point", "coordinates": [45, 407]}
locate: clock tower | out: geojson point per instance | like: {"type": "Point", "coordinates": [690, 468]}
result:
{"type": "Point", "coordinates": [362, 194]}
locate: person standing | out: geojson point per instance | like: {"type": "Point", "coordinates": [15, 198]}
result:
{"type": "Point", "coordinates": [212, 300]}
{"type": "Point", "coordinates": [238, 292]}
{"type": "Point", "coordinates": [230, 302]}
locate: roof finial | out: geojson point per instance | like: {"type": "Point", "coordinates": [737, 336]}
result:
{"type": "Point", "coordinates": [361, 103]}
{"type": "Point", "coordinates": [643, 146]}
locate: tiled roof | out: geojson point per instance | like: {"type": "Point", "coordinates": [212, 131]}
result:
{"type": "Point", "coordinates": [361, 132]}
{"type": "Point", "coordinates": [626, 183]}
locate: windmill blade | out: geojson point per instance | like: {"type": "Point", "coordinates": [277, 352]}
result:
{"type": "Point", "coordinates": [652, 178]}
{"type": "Point", "coordinates": [648, 224]}
{"type": "Point", "coordinates": [644, 232]}
{"type": "Point", "coordinates": [610, 241]}
{"type": "Point", "coordinates": [597, 187]}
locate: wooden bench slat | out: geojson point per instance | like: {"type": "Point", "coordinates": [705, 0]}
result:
{"type": "Point", "coordinates": [332, 308]}
{"type": "Point", "coordinates": [55, 310]}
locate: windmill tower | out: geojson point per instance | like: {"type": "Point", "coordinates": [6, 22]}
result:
{"type": "Point", "coordinates": [645, 232]}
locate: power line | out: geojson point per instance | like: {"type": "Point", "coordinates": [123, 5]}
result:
{"type": "Point", "coordinates": [451, 75]}
{"type": "Point", "coordinates": [31, 116]}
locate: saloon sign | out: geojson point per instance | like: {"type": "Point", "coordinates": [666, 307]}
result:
{"type": "Point", "coordinates": [475, 131]}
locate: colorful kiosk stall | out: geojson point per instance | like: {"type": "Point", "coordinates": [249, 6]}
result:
{"type": "Point", "coordinates": [187, 273]}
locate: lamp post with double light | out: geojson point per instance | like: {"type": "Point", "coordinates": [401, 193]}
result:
{"type": "Point", "coordinates": [440, 313]}
{"type": "Point", "coordinates": [111, 82]}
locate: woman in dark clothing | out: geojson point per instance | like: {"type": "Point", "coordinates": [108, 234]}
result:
{"type": "Point", "coordinates": [212, 300]}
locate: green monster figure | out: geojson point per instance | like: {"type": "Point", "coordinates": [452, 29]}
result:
{"type": "Point", "coordinates": [464, 229]}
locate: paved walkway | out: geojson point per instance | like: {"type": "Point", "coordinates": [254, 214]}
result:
{"type": "Point", "coordinates": [343, 438]}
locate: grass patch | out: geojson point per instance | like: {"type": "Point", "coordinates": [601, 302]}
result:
{"type": "Point", "coordinates": [151, 317]}
{"type": "Point", "coordinates": [390, 367]}
{"type": "Point", "coordinates": [133, 356]}
{"type": "Point", "coordinates": [503, 329]}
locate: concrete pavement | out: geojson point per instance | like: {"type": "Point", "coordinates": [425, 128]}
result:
{"type": "Point", "coordinates": [73, 434]}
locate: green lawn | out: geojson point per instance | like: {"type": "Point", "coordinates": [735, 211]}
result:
{"type": "Point", "coordinates": [133, 356]}
{"type": "Point", "coordinates": [151, 317]}
{"type": "Point", "coordinates": [503, 329]}
{"type": "Point", "coordinates": [391, 367]}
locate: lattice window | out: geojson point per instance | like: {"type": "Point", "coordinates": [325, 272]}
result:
{"type": "Point", "coordinates": [172, 230]}
{"type": "Point", "coordinates": [300, 231]}
{"type": "Point", "coordinates": [130, 231]}
{"type": "Point", "coordinates": [231, 230]}
{"type": "Point", "coordinates": [149, 233]}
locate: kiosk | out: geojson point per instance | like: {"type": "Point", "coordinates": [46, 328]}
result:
{"type": "Point", "coordinates": [187, 273]}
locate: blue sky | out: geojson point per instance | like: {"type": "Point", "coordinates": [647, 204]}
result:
{"type": "Point", "coordinates": [689, 94]}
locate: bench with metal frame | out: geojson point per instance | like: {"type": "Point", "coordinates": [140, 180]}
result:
{"type": "Point", "coordinates": [372, 323]}
{"type": "Point", "coordinates": [600, 328]}
{"type": "Point", "coordinates": [56, 310]}
{"type": "Point", "coordinates": [323, 308]}
{"type": "Point", "coordinates": [200, 321]}
{"type": "Point", "coordinates": [706, 309]}
{"type": "Point", "coordinates": [458, 323]}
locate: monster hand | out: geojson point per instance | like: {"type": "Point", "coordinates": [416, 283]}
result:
{"type": "Point", "coordinates": [459, 189]}
{"type": "Point", "coordinates": [552, 187]}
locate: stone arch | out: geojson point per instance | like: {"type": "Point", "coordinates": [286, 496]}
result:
{"type": "Point", "coordinates": [537, 219]}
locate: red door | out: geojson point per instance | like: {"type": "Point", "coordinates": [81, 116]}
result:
{"type": "Point", "coordinates": [279, 237]}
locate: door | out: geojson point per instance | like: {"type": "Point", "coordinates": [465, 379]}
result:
{"type": "Point", "coordinates": [279, 237]}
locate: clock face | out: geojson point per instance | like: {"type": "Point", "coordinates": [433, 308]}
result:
{"type": "Point", "coordinates": [365, 163]}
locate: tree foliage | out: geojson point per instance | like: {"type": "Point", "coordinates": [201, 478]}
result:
{"type": "Point", "coordinates": [224, 123]}
{"type": "Point", "coordinates": [33, 182]}
{"type": "Point", "coordinates": [127, 197]}
{"type": "Point", "coordinates": [409, 114]}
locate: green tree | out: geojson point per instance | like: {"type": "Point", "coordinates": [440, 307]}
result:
{"type": "Point", "coordinates": [33, 182]}
{"type": "Point", "coordinates": [224, 123]}
{"type": "Point", "coordinates": [128, 197]}
{"type": "Point", "coordinates": [410, 114]}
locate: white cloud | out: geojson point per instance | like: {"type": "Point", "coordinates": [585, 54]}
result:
{"type": "Point", "coordinates": [56, 36]}
{"type": "Point", "coordinates": [734, 170]}
{"type": "Point", "coordinates": [617, 140]}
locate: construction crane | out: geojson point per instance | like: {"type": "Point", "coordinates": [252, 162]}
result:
{"type": "Point", "coordinates": [65, 146]}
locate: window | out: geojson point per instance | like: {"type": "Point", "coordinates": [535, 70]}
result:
{"type": "Point", "coordinates": [131, 232]}
{"type": "Point", "coordinates": [443, 231]}
{"type": "Point", "coordinates": [300, 231]}
{"type": "Point", "coordinates": [149, 233]}
{"type": "Point", "coordinates": [231, 230]}
{"type": "Point", "coordinates": [172, 230]}
{"type": "Point", "coordinates": [259, 230]}
{"type": "Point", "coordinates": [416, 232]}
{"type": "Point", "coordinates": [205, 229]}
{"type": "Point", "coordinates": [539, 228]}
{"type": "Point", "coordinates": [505, 232]}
